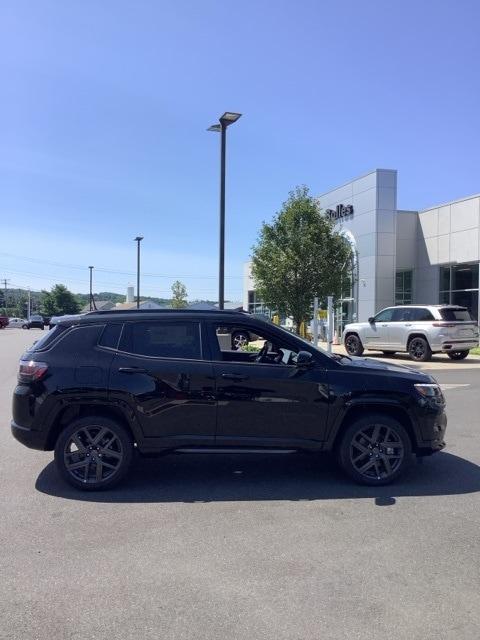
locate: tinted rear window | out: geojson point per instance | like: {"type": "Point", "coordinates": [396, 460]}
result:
{"type": "Point", "coordinates": [46, 340]}
{"type": "Point", "coordinates": [111, 336]}
{"type": "Point", "coordinates": [456, 315]}
{"type": "Point", "coordinates": [162, 339]}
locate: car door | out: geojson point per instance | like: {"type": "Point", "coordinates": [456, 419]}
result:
{"type": "Point", "coordinates": [402, 320]}
{"type": "Point", "coordinates": [159, 371]}
{"type": "Point", "coordinates": [269, 403]}
{"type": "Point", "coordinates": [377, 332]}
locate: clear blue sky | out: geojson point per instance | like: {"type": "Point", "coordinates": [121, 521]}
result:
{"type": "Point", "coordinates": [104, 107]}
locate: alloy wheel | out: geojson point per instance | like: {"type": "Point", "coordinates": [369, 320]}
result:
{"type": "Point", "coordinates": [239, 340]}
{"type": "Point", "coordinates": [93, 454]}
{"type": "Point", "coordinates": [351, 345]}
{"type": "Point", "coordinates": [417, 348]}
{"type": "Point", "coordinates": [376, 452]}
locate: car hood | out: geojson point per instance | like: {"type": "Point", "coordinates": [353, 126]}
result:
{"type": "Point", "coordinates": [381, 366]}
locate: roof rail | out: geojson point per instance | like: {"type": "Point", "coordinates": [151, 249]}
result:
{"type": "Point", "coordinates": [153, 311]}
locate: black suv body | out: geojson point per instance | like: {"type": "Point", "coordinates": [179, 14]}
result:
{"type": "Point", "coordinates": [97, 387]}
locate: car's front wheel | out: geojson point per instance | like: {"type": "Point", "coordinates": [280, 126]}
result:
{"type": "Point", "coordinates": [375, 450]}
{"type": "Point", "coordinates": [353, 345]}
{"type": "Point", "coordinates": [94, 453]}
{"type": "Point", "coordinates": [457, 355]}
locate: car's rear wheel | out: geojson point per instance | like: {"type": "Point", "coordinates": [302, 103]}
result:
{"type": "Point", "coordinates": [457, 355]}
{"type": "Point", "coordinates": [353, 345]}
{"type": "Point", "coordinates": [93, 453]}
{"type": "Point", "coordinates": [419, 349]}
{"type": "Point", "coordinates": [239, 339]}
{"type": "Point", "coordinates": [375, 450]}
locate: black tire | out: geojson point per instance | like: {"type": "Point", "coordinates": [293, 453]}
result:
{"type": "Point", "coordinates": [239, 339]}
{"type": "Point", "coordinates": [457, 355]}
{"type": "Point", "coordinates": [353, 345]}
{"type": "Point", "coordinates": [115, 448]}
{"type": "Point", "coordinates": [419, 349]}
{"type": "Point", "coordinates": [381, 464]}
{"type": "Point", "coordinates": [389, 353]}
{"type": "Point", "coordinates": [25, 326]}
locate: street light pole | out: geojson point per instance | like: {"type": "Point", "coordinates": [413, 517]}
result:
{"type": "Point", "coordinates": [91, 292]}
{"type": "Point", "coordinates": [226, 120]}
{"type": "Point", "coordinates": [138, 239]}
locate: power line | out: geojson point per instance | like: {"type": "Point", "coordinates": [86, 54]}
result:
{"type": "Point", "coordinates": [106, 270]}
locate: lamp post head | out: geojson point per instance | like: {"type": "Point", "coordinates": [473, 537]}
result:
{"type": "Point", "coordinates": [138, 239]}
{"type": "Point", "coordinates": [90, 267]}
{"type": "Point", "coordinates": [228, 118]}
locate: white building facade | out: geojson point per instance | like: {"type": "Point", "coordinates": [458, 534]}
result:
{"type": "Point", "coordinates": [401, 257]}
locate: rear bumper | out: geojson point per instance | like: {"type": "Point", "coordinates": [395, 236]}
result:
{"type": "Point", "coordinates": [458, 345]}
{"type": "Point", "coordinates": [29, 437]}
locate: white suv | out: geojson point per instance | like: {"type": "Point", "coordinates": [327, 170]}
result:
{"type": "Point", "coordinates": [419, 330]}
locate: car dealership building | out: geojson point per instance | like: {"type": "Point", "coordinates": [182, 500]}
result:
{"type": "Point", "coordinates": [400, 257]}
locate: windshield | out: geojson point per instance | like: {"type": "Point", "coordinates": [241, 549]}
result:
{"type": "Point", "coordinates": [456, 315]}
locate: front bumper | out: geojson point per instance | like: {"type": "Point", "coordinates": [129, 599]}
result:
{"type": "Point", "coordinates": [433, 425]}
{"type": "Point", "coordinates": [29, 437]}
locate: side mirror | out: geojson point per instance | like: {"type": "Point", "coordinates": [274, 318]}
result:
{"type": "Point", "coordinates": [371, 320]}
{"type": "Point", "coordinates": [304, 359]}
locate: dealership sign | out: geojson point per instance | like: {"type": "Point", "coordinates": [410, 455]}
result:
{"type": "Point", "coordinates": [340, 211]}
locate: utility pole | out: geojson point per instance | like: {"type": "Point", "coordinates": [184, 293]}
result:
{"type": "Point", "coordinates": [91, 294]}
{"type": "Point", "coordinates": [29, 305]}
{"type": "Point", "coordinates": [5, 282]}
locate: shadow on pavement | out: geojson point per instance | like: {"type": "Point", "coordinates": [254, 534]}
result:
{"type": "Point", "coordinates": [226, 477]}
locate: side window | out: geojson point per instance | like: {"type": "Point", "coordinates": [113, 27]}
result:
{"type": "Point", "coordinates": [400, 314]}
{"type": "Point", "coordinates": [422, 314]}
{"type": "Point", "coordinates": [163, 339]}
{"type": "Point", "coordinates": [384, 316]}
{"type": "Point", "coordinates": [110, 336]}
{"type": "Point", "coordinates": [238, 343]}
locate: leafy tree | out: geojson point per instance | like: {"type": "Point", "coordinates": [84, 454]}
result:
{"type": "Point", "coordinates": [179, 297]}
{"type": "Point", "coordinates": [59, 301]}
{"type": "Point", "coordinates": [298, 256]}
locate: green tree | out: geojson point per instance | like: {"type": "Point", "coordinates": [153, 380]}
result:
{"type": "Point", "coordinates": [179, 297]}
{"type": "Point", "coordinates": [298, 256]}
{"type": "Point", "coordinates": [59, 301]}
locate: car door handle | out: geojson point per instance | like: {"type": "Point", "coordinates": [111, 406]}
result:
{"type": "Point", "coordinates": [234, 376]}
{"type": "Point", "coordinates": [384, 325]}
{"type": "Point", "coordinates": [132, 370]}
{"type": "Point", "coordinates": [408, 324]}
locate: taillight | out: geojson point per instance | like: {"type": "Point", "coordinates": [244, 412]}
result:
{"type": "Point", "coordinates": [31, 371]}
{"type": "Point", "coordinates": [444, 324]}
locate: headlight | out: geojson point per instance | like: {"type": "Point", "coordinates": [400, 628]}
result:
{"type": "Point", "coordinates": [430, 390]}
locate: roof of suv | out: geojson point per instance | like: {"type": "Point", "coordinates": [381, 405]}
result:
{"type": "Point", "coordinates": [142, 314]}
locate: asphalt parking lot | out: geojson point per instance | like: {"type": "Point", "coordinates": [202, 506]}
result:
{"type": "Point", "coordinates": [227, 547]}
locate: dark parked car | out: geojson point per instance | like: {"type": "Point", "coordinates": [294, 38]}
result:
{"type": "Point", "coordinates": [3, 322]}
{"type": "Point", "coordinates": [35, 322]}
{"type": "Point", "coordinates": [98, 388]}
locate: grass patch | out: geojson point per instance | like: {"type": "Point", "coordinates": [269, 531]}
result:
{"type": "Point", "coordinates": [475, 352]}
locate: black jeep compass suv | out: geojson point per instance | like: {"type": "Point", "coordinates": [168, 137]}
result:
{"type": "Point", "coordinates": [99, 386]}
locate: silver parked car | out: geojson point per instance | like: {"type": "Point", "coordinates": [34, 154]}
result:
{"type": "Point", "coordinates": [420, 330]}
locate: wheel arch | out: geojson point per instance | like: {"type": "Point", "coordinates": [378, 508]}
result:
{"type": "Point", "coordinates": [357, 411]}
{"type": "Point", "coordinates": [416, 334]}
{"type": "Point", "coordinates": [71, 412]}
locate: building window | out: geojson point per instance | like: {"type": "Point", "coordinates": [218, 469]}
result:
{"type": "Point", "coordinates": [256, 305]}
{"type": "Point", "coordinates": [403, 287]}
{"type": "Point", "coordinates": [459, 285]}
